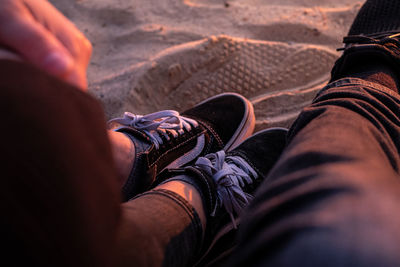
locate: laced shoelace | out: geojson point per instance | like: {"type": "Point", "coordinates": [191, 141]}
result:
{"type": "Point", "coordinates": [231, 174]}
{"type": "Point", "coordinates": [158, 124]}
{"type": "Point", "coordinates": [363, 39]}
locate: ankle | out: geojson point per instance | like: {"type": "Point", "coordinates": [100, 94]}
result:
{"type": "Point", "coordinates": [124, 154]}
{"type": "Point", "coordinates": [373, 69]}
{"type": "Point", "coordinates": [383, 78]}
{"type": "Point", "coordinates": [377, 70]}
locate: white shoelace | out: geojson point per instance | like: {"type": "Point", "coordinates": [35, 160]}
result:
{"type": "Point", "coordinates": [230, 174]}
{"type": "Point", "coordinates": [158, 124]}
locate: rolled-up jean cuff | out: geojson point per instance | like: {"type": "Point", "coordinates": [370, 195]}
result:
{"type": "Point", "coordinates": [190, 211]}
{"type": "Point", "coordinates": [357, 82]}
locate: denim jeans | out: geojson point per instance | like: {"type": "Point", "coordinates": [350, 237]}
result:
{"type": "Point", "coordinates": [331, 200]}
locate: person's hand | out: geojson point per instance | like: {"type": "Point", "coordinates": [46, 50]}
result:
{"type": "Point", "coordinates": [42, 36]}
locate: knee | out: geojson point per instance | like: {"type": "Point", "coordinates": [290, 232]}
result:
{"type": "Point", "coordinates": [329, 222]}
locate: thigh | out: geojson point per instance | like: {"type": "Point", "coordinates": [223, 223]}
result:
{"type": "Point", "coordinates": [59, 199]}
{"type": "Point", "coordinates": [333, 197]}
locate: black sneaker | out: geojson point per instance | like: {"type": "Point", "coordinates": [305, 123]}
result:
{"type": "Point", "coordinates": [374, 35]}
{"type": "Point", "coordinates": [226, 182]}
{"type": "Point", "coordinates": [167, 139]}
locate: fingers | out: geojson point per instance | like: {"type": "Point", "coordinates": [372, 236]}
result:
{"type": "Point", "coordinates": [67, 34]}
{"type": "Point", "coordinates": [36, 45]}
{"type": "Point", "coordinates": [41, 35]}
{"type": "Point", "coordinates": [81, 51]}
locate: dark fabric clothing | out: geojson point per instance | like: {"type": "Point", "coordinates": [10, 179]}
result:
{"type": "Point", "coordinates": [159, 228]}
{"type": "Point", "coordinates": [57, 173]}
{"type": "Point", "coordinates": [333, 199]}
{"type": "Point", "coordinates": [60, 203]}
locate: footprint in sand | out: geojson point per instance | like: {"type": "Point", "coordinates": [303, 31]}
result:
{"type": "Point", "coordinates": [279, 78]}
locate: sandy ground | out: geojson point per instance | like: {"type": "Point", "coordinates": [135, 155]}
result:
{"type": "Point", "coordinates": [170, 54]}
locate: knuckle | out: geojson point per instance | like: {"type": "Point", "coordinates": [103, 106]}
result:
{"type": "Point", "coordinates": [88, 45]}
{"type": "Point", "coordinates": [85, 45]}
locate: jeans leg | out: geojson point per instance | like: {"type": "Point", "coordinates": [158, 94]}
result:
{"type": "Point", "coordinates": [333, 199]}
{"type": "Point", "coordinates": [60, 202]}
{"type": "Point", "coordinates": [159, 228]}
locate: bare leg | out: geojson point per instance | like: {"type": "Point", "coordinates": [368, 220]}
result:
{"type": "Point", "coordinates": [124, 154]}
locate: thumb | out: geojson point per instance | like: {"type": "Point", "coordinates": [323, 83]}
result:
{"type": "Point", "coordinates": [37, 45]}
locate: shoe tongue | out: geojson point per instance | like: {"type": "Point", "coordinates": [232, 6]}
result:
{"type": "Point", "coordinates": [377, 16]}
